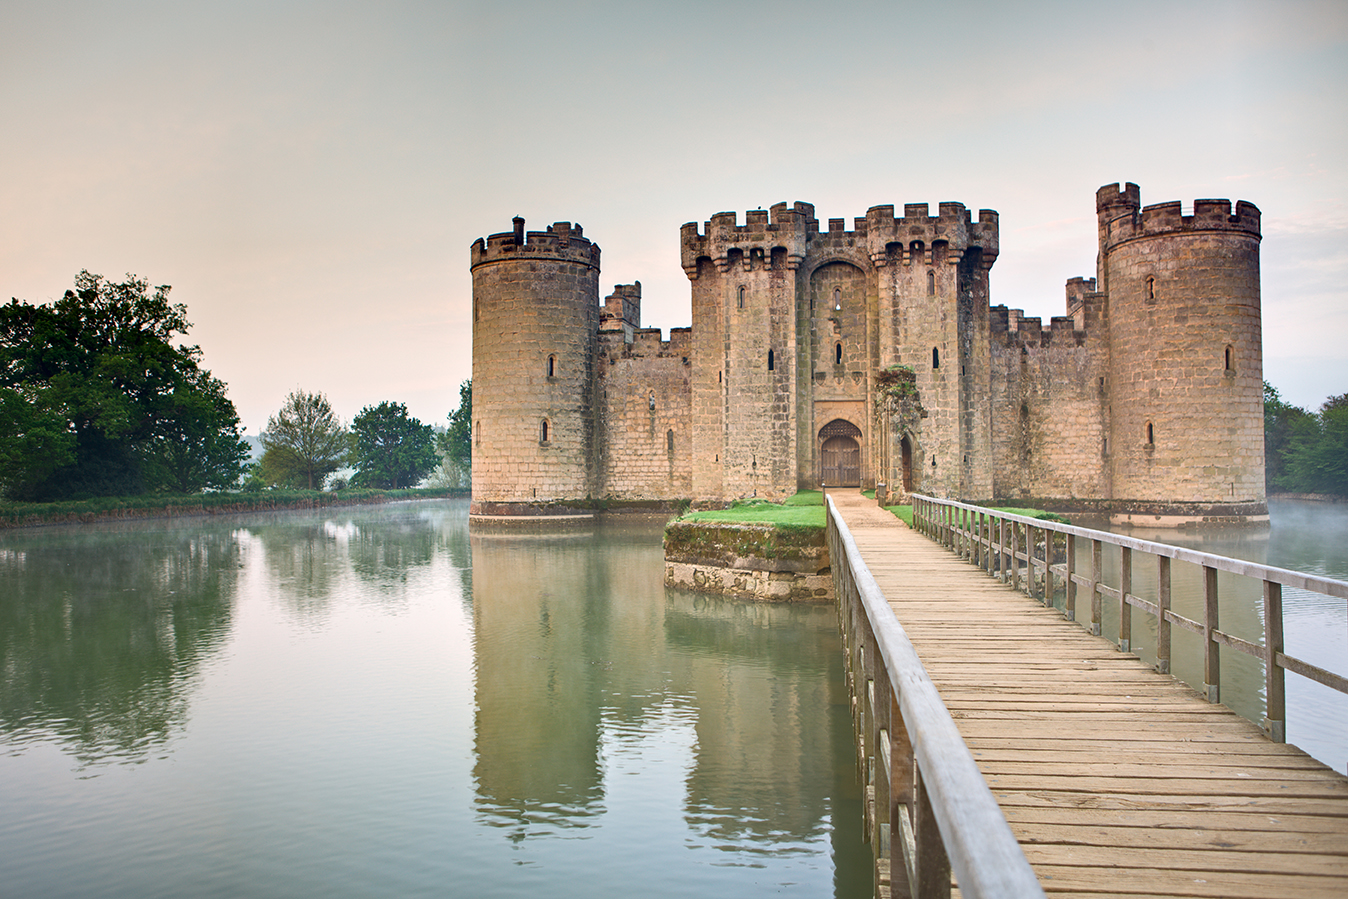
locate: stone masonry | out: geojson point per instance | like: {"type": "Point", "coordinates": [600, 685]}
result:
{"type": "Point", "coordinates": [1143, 400]}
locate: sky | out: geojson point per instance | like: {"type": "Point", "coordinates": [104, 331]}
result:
{"type": "Point", "coordinates": [309, 177]}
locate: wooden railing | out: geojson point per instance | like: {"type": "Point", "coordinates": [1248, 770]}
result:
{"type": "Point", "coordinates": [1025, 552]}
{"type": "Point", "coordinates": [933, 811]}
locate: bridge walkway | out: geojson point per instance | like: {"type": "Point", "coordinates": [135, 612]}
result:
{"type": "Point", "coordinates": [1116, 780]}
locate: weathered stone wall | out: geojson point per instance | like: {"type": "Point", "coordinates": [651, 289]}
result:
{"type": "Point", "coordinates": [1048, 387]}
{"type": "Point", "coordinates": [645, 415]}
{"type": "Point", "coordinates": [1147, 393]}
{"type": "Point", "coordinates": [535, 326]}
{"type": "Point", "coordinates": [751, 561]}
{"type": "Point", "coordinates": [1186, 369]}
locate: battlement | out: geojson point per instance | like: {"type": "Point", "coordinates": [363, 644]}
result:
{"type": "Point", "coordinates": [789, 229]}
{"type": "Point", "coordinates": [776, 236]}
{"type": "Point", "coordinates": [897, 238]}
{"type": "Point", "coordinates": [1012, 327]}
{"type": "Point", "coordinates": [1122, 217]}
{"type": "Point", "coordinates": [563, 242]}
{"type": "Point", "coordinates": [622, 308]}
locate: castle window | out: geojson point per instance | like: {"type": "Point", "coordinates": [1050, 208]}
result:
{"type": "Point", "coordinates": [770, 361]}
{"type": "Point", "coordinates": [1229, 359]}
{"type": "Point", "coordinates": [1151, 435]}
{"type": "Point", "coordinates": [1151, 289]}
{"type": "Point", "coordinates": [935, 357]}
{"type": "Point", "coordinates": [718, 377]}
{"type": "Point", "coordinates": [669, 442]}
{"type": "Point", "coordinates": [650, 401]}
{"type": "Point", "coordinates": [837, 354]}
{"type": "Point", "coordinates": [552, 366]}
{"type": "Point", "coordinates": [543, 432]}
{"type": "Point", "coordinates": [741, 297]}
{"type": "Point", "coordinates": [931, 283]}
{"type": "Point", "coordinates": [837, 299]}
{"type": "Point", "coordinates": [477, 432]}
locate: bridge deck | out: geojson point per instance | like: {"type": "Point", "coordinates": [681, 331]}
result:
{"type": "Point", "coordinates": [1116, 780]}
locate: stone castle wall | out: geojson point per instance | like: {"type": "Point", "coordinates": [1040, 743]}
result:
{"type": "Point", "coordinates": [1186, 370]}
{"type": "Point", "coordinates": [535, 329]}
{"type": "Point", "coordinates": [1146, 394]}
{"type": "Point", "coordinates": [645, 421]}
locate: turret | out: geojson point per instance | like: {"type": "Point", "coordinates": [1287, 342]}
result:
{"type": "Point", "coordinates": [535, 323]}
{"type": "Point", "coordinates": [1186, 364]}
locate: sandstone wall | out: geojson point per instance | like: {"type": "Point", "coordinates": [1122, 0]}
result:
{"type": "Point", "coordinates": [535, 326]}
{"type": "Point", "coordinates": [1186, 369]}
{"type": "Point", "coordinates": [645, 415]}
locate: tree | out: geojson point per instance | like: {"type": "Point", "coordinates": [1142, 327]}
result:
{"type": "Point", "coordinates": [1317, 454]}
{"type": "Point", "coordinates": [455, 444]}
{"type": "Point", "coordinates": [389, 449]}
{"type": "Point", "coordinates": [304, 441]}
{"type": "Point", "coordinates": [98, 401]}
{"type": "Point", "coordinates": [1280, 422]}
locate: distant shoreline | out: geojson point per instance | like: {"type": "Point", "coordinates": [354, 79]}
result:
{"type": "Point", "coordinates": [14, 516]}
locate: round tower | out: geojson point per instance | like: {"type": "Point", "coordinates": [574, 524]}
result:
{"type": "Point", "coordinates": [1186, 362]}
{"type": "Point", "coordinates": [535, 326]}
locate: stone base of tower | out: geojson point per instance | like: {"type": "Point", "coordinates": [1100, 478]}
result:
{"type": "Point", "coordinates": [1188, 515]}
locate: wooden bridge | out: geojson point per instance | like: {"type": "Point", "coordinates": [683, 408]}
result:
{"type": "Point", "coordinates": [1064, 766]}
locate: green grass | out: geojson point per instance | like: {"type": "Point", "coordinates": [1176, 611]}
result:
{"type": "Point", "coordinates": [804, 510]}
{"type": "Point", "coordinates": [903, 513]}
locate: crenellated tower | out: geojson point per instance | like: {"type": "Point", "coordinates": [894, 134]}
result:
{"type": "Point", "coordinates": [744, 363]}
{"type": "Point", "coordinates": [1185, 381]}
{"type": "Point", "coordinates": [535, 324]}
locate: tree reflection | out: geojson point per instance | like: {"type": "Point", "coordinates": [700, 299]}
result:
{"type": "Point", "coordinates": [101, 636]}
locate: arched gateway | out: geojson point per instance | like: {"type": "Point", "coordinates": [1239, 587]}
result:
{"type": "Point", "coordinates": [840, 454]}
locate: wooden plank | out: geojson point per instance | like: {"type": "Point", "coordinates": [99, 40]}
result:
{"type": "Point", "coordinates": [1116, 780]}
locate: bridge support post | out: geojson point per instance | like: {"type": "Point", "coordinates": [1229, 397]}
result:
{"type": "Point", "coordinates": [1125, 608]}
{"type": "Point", "coordinates": [1275, 717]}
{"type": "Point", "coordinates": [1212, 660]}
{"type": "Point", "coordinates": [1163, 615]}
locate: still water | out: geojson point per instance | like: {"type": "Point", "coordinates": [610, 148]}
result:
{"type": "Point", "coordinates": [1303, 536]}
{"type": "Point", "coordinates": [372, 702]}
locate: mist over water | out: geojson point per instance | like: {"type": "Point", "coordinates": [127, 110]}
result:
{"type": "Point", "coordinates": [372, 702]}
{"type": "Point", "coordinates": [1302, 536]}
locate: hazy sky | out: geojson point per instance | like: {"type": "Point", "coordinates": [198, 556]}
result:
{"type": "Point", "coordinates": [309, 176]}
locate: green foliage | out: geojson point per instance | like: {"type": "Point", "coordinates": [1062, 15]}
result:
{"type": "Point", "coordinates": [389, 449]}
{"type": "Point", "coordinates": [97, 400]}
{"type": "Point", "coordinates": [304, 442]}
{"type": "Point", "coordinates": [456, 443]}
{"type": "Point", "coordinates": [1282, 423]}
{"type": "Point", "coordinates": [1316, 455]}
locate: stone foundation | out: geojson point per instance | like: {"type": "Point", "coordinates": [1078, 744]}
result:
{"type": "Point", "coordinates": [749, 561]}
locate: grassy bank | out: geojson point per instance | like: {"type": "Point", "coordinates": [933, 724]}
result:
{"type": "Point", "coordinates": [114, 508]}
{"type": "Point", "coordinates": [805, 510]}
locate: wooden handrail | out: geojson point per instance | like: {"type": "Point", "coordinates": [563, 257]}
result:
{"type": "Point", "coordinates": [961, 526]}
{"type": "Point", "coordinates": [941, 814]}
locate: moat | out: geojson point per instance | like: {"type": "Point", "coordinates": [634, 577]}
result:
{"type": "Point", "coordinates": [373, 702]}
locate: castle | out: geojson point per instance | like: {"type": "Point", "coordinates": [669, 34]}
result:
{"type": "Point", "coordinates": [871, 356]}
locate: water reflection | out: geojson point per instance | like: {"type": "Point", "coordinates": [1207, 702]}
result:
{"type": "Point", "coordinates": [318, 703]}
{"type": "Point", "coordinates": [101, 636]}
{"type": "Point", "coordinates": [584, 659]}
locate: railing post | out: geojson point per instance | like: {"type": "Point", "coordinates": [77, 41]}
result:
{"type": "Point", "coordinates": [1275, 718]}
{"type": "Point", "coordinates": [1015, 555]}
{"type": "Point", "coordinates": [930, 862]}
{"type": "Point", "coordinates": [1070, 600]}
{"type": "Point", "coordinates": [1097, 567]}
{"type": "Point", "coordinates": [1212, 662]}
{"type": "Point", "coordinates": [1163, 610]}
{"type": "Point", "coordinates": [1125, 608]}
{"type": "Point", "coordinates": [1049, 537]}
